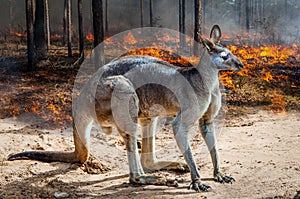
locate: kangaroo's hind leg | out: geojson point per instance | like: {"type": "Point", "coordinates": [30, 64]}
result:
{"type": "Point", "coordinates": [136, 172]}
{"type": "Point", "coordinates": [148, 157]}
{"type": "Point", "coordinates": [181, 135]}
{"type": "Point", "coordinates": [208, 133]}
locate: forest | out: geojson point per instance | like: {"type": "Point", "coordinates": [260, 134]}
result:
{"type": "Point", "coordinates": [43, 44]}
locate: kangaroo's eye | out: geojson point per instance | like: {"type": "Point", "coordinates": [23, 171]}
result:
{"type": "Point", "coordinates": [224, 56]}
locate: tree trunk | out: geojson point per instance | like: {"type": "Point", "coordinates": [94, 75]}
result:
{"type": "Point", "coordinates": [10, 15]}
{"type": "Point", "coordinates": [30, 35]}
{"type": "Point", "coordinates": [204, 14]}
{"type": "Point", "coordinates": [47, 24]}
{"type": "Point", "coordinates": [182, 21]}
{"type": "Point", "coordinates": [247, 15]}
{"type": "Point", "coordinates": [142, 12]}
{"type": "Point", "coordinates": [97, 9]}
{"type": "Point", "coordinates": [106, 16]}
{"type": "Point", "coordinates": [39, 29]}
{"type": "Point", "coordinates": [69, 28]}
{"type": "Point", "coordinates": [65, 22]}
{"type": "Point", "coordinates": [239, 12]}
{"type": "Point", "coordinates": [151, 12]}
{"type": "Point", "coordinates": [182, 16]}
{"type": "Point", "coordinates": [198, 20]}
{"type": "Point", "coordinates": [80, 29]}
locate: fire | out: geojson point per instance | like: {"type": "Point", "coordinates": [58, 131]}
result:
{"type": "Point", "coordinates": [226, 80]}
{"type": "Point", "coordinates": [89, 37]}
{"type": "Point", "coordinates": [130, 39]}
{"type": "Point", "coordinates": [55, 110]}
{"type": "Point", "coordinates": [260, 57]}
{"type": "Point", "coordinates": [56, 36]}
{"type": "Point", "coordinates": [278, 103]}
{"type": "Point", "coordinates": [18, 34]}
{"type": "Point", "coordinates": [267, 76]}
{"type": "Point", "coordinates": [165, 55]}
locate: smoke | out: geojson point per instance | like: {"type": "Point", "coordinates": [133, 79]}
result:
{"type": "Point", "coordinates": [269, 21]}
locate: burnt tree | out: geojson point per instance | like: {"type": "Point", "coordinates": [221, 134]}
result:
{"type": "Point", "coordinates": [247, 15]}
{"type": "Point", "coordinates": [97, 9]}
{"type": "Point", "coordinates": [39, 29]}
{"type": "Point", "coordinates": [65, 23]}
{"type": "Point", "coordinates": [47, 23]}
{"type": "Point", "coordinates": [106, 16]}
{"type": "Point", "coordinates": [69, 27]}
{"type": "Point", "coordinates": [10, 15]}
{"type": "Point", "coordinates": [80, 29]}
{"type": "Point", "coordinates": [30, 35]}
{"type": "Point", "coordinates": [142, 12]}
{"type": "Point", "coordinates": [198, 20]}
{"type": "Point", "coordinates": [182, 16]}
{"type": "Point", "coordinates": [151, 12]}
{"type": "Point", "coordinates": [182, 20]}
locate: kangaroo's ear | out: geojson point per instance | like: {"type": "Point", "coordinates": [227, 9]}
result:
{"type": "Point", "coordinates": [207, 43]}
{"type": "Point", "coordinates": [215, 34]}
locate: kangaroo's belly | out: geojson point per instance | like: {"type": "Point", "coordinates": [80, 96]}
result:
{"type": "Point", "coordinates": [156, 100]}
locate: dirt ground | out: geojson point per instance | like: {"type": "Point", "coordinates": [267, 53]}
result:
{"type": "Point", "coordinates": [260, 150]}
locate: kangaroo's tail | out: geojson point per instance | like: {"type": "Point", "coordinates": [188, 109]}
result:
{"type": "Point", "coordinates": [46, 156]}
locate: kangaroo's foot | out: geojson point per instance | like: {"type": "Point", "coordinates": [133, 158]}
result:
{"type": "Point", "coordinates": [177, 166]}
{"type": "Point", "coordinates": [153, 180]}
{"type": "Point", "coordinates": [220, 177]}
{"type": "Point", "coordinates": [165, 165]}
{"type": "Point", "coordinates": [198, 186]}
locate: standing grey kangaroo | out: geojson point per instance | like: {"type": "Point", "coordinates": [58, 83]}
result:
{"type": "Point", "coordinates": [117, 89]}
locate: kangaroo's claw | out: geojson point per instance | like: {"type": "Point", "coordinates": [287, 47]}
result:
{"type": "Point", "coordinates": [154, 180]}
{"type": "Point", "coordinates": [198, 186]}
{"type": "Point", "coordinates": [219, 177]}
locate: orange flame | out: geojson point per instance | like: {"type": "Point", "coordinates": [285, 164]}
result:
{"type": "Point", "coordinates": [18, 34]}
{"type": "Point", "coordinates": [89, 37]}
{"type": "Point", "coordinates": [267, 76]}
{"type": "Point", "coordinates": [278, 103]}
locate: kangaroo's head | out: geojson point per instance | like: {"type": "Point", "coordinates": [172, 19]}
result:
{"type": "Point", "coordinates": [220, 56]}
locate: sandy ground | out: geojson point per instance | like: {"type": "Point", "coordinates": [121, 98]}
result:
{"type": "Point", "coordinates": [261, 151]}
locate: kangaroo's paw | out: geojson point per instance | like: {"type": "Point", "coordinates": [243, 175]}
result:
{"type": "Point", "coordinates": [177, 166]}
{"type": "Point", "coordinates": [166, 165]}
{"type": "Point", "coordinates": [219, 177]}
{"type": "Point", "coordinates": [198, 186]}
{"type": "Point", "coordinates": [153, 180]}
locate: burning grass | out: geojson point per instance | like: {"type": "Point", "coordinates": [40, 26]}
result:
{"type": "Point", "coordinates": [270, 79]}
{"type": "Point", "coordinates": [45, 93]}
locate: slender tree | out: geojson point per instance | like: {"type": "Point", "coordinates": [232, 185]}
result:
{"type": "Point", "coordinates": [142, 12]}
{"type": "Point", "coordinates": [98, 21]}
{"type": "Point", "coordinates": [39, 29]}
{"type": "Point", "coordinates": [69, 27]}
{"type": "Point", "coordinates": [106, 16]}
{"type": "Point", "coordinates": [198, 20]}
{"type": "Point", "coordinates": [182, 16]}
{"type": "Point", "coordinates": [65, 22]}
{"type": "Point", "coordinates": [97, 9]}
{"type": "Point", "coordinates": [247, 15]}
{"type": "Point", "coordinates": [30, 35]}
{"type": "Point", "coordinates": [239, 12]}
{"type": "Point", "coordinates": [151, 12]}
{"type": "Point", "coordinates": [47, 23]}
{"type": "Point", "coordinates": [182, 20]}
{"type": "Point", "coordinates": [10, 15]}
{"type": "Point", "coordinates": [80, 29]}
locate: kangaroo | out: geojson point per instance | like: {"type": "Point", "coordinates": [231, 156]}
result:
{"type": "Point", "coordinates": [120, 100]}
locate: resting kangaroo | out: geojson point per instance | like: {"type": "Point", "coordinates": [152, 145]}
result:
{"type": "Point", "coordinates": [118, 84]}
